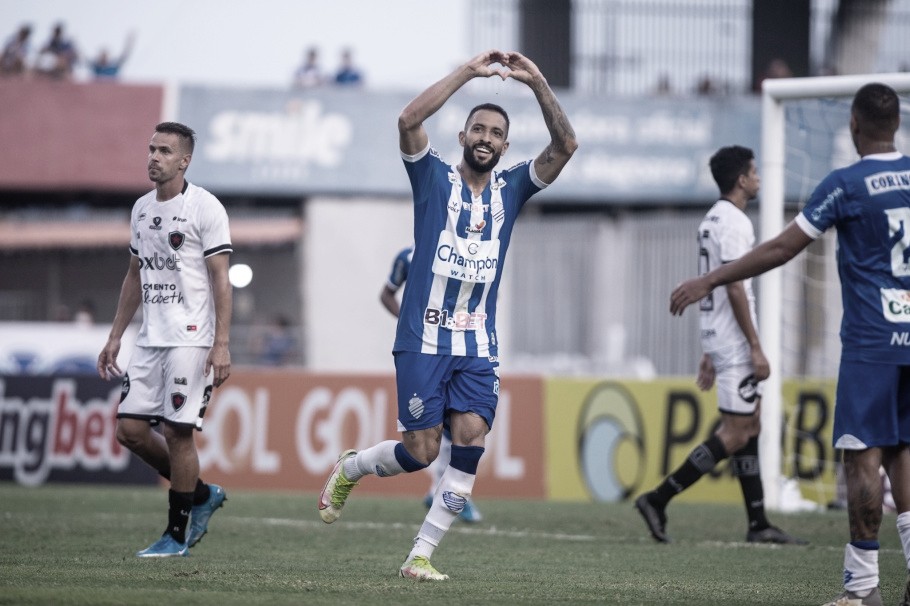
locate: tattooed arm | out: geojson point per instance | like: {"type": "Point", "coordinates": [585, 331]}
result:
{"type": "Point", "coordinates": [562, 144]}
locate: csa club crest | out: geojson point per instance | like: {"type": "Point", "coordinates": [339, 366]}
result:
{"type": "Point", "coordinates": [178, 400]}
{"type": "Point", "coordinates": [415, 406]}
{"type": "Point", "coordinates": [175, 239]}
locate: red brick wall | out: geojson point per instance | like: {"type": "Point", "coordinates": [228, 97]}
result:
{"type": "Point", "coordinates": [65, 135]}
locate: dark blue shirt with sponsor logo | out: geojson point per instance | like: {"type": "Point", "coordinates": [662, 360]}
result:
{"type": "Point", "coordinates": [869, 204]}
{"type": "Point", "coordinates": [400, 268]}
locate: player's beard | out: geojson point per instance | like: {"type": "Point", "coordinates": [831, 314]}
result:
{"type": "Point", "coordinates": [478, 166]}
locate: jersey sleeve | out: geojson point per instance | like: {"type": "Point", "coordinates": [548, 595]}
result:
{"type": "Point", "coordinates": [736, 240]}
{"type": "Point", "coordinates": [822, 208]}
{"type": "Point", "coordinates": [216, 232]}
{"type": "Point", "coordinates": [522, 179]}
{"type": "Point", "coordinates": [134, 231]}
{"type": "Point", "coordinates": [420, 168]}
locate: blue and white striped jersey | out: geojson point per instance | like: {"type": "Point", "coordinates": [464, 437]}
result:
{"type": "Point", "coordinates": [869, 204]}
{"type": "Point", "coordinates": [460, 243]}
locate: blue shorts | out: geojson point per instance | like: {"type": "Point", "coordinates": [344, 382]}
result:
{"type": "Point", "coordinates": [873, 406]}
{"type": "Point", "coordinates": [430, 386]}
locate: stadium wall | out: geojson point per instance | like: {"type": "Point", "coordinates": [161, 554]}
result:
{"type": "Point", "coordinates": [69, 136]}
{"type": "Point", "coordinates": [554, 438]}
{"type": "Point", "coordinates": [282, 142]}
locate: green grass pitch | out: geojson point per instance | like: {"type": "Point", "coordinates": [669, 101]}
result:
{"type": "Point", "coordinates": [74, 544]}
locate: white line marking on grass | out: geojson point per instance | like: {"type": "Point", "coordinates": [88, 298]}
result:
{"type": "Point", "coordinates": [497, 532]}
{"type": "Point", "coordinates": [488, 531]}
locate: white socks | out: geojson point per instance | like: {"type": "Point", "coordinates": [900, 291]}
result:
{"type": "Point", "coordinates": [453, 491]}
{"type": "Point", "coordinates": [860, 569]}
{"type": "Point", "coordinates": [903, 530]}
{"type": "Point", "coordinates": [379, 459]}
{"type": "Point", "coordinates": [439, 464]}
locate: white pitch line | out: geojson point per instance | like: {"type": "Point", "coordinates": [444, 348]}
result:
{"type": "Point", "coordinates": [496, 532]}
{"type": "Point", "coordinates": [487, 531]}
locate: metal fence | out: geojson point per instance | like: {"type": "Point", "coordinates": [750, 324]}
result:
{"type": "Point", "coordinates": [643, 47]}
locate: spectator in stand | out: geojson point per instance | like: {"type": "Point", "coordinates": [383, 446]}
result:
{"type": "Point", "coordinates": [705, 87]}
{"type": "Point", "coordinates": [309, 74]}
{"type": "Point", "coordinates": [278, 345]}
{"type": "Point", "coordinates": [663, 88]}
{"type": "Point", "coordinates": [85, 313]}
{"type": "Point", "coordinates": [58, 57]}
{"type": "Point", "coordinates": [348, 74]}
{"type": "Point", "coordinates": [14, 61]}
{"type": "Point", "coordinates": [103, 67]}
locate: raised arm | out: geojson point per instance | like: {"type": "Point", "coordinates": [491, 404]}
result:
{"type": "Point", "coordinates": [412, 135]}
{"type": "Point", "coordinates": [562, 144]}
{"type": "Point", "coordinates": [765, 256]}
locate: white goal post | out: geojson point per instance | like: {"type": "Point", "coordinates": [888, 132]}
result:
{"type": "Point", "coordinates": [775, 92]}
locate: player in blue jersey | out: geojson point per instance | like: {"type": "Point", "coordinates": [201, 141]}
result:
{"type": "Point", "coordinates": [446, 354]}
{"type": "Point", "coordinates": [868, 203]}
{"type": "Point", "coordinates": [400, 267]}
{"type": "Point", "coordinates": [399, 275]}
{"type": "Point", "coordinates": [733, 357]}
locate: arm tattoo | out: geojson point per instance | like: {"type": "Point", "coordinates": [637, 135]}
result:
{"type": "Point", "coordinates": [547, 156]}
{"type": "Point", "coordinates": [557, 123]}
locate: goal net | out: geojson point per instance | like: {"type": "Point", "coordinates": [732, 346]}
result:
{"type": "Point", "coordinates": [805, 135]}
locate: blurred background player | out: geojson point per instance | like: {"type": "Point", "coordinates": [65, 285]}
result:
{"type": "Point", "coordinates": [732, 355]}
{"type": "Point", "coordinates": [182, 347]}
{"type": "Point", "coordinates": [397, 278]}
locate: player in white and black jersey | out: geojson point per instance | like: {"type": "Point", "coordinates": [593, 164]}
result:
{"type": "Point", "coordinates": [868, 203]}
{"type": "Point", "coordinates": [733, 357]}
{"type": "Point", "coordinates": [180, 244]}
{"type": "Point", "coordinates": [446, 348]}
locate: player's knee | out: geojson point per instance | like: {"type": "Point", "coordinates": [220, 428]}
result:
{"type": "Point", "coordinates": [739, 442]}
{"type": "Point", "coordinates": [408, 461]}
{"type": "Point", "coordinates": [131, 436]}
{"type": "Point", "coordinates": [736, 437]}
{"type": "Point", "coordinates": [178, 436]}
{"type": "Point", "coordinates": [755, 427]}
{"type": "Point", "coordinates": [432, 452]}
{"type": "Point", "coordinates": [862, 466]}
{"type": "Point", "coordinates": [423, 445]}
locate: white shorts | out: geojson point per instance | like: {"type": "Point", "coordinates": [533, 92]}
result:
{"type": "Point", "coordinates": [737, 391]}
{"type": "Point", "coordinates": [166, 384]}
